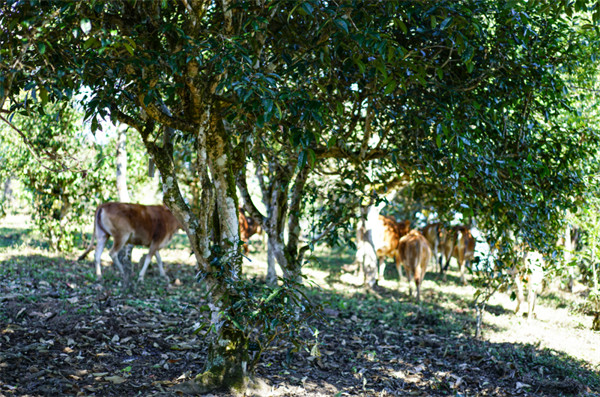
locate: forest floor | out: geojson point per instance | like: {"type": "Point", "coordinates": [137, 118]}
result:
{"type": "Point", "coordinates": [62, 333]}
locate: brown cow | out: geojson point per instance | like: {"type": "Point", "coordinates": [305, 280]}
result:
{"type": "Point", "coordinates": [434, 232]}
{"type": "Point", "coordinates": [386, 240]}
{"type": "Point", "coordinates": [415, 254]}
{"type": "Point", "coordinates": [248, 228]}
{"type": "Point", "coordinates": [152, 226]}
{"type": "Point", "coordinates": [458, 242]}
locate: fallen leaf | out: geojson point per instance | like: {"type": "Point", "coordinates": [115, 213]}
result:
{"type": "Point", "coordinates": [115, 379]}
{"type": "Point", "coordinates": [522, 385]}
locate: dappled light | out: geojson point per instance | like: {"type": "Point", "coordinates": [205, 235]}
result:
{"type": "Point", "coordinates": [244, 169]}
{"type": "Point", "coordinates": [93, 338]}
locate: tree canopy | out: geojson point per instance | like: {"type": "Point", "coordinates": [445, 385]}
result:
{"type": "Point", "coordinates": [465, 100]}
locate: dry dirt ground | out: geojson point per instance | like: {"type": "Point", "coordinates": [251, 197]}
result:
{"type": "Point", "coordinates": [62, 333]}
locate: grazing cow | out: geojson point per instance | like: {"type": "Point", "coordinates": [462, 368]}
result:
{"type": "Point", "coordinates": [386, 236]}
{"type": "Point", "coordinates": [458, 242]}
{"type": "Point", "coordinates": [433, 232]}
{"type": "Point", "coordinates": [531, 271]}
{"type": "Point", "coordinates": [415, 254]}
{"type": "Point", "coordinates": [248, 227]}
{"type": "Point", "coordinates": [151, 226]}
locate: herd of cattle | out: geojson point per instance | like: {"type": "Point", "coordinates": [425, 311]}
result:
{"type": "Point", "coordinates": [413, 249]}
{"type": "Point", "coordinates": [154, 226]}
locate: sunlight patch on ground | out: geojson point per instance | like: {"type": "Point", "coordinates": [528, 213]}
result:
{"type": "Point", "coordinates": [555, 329]}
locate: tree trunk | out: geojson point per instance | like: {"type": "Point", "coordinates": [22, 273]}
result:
{"type": "Point", "coordinates": [123, 193]}
{"type": "Point", "coordinates": [293, 268]}
{"type": "Point", "coordinates": [6, 197]}
{"type": "Point", "coordinates": [275, 199]}
{"type": "Point", "coordinates": [219, 263]}
{"type": "Point", "coordinates": [568, 255]}
{"type": "Point", "coordinates": [366, 255]}
{"type": "Point", "coordinates": [121, 163]}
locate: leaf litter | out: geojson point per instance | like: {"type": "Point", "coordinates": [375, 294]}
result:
{"type": "Point", "coordinates": [61, 333]}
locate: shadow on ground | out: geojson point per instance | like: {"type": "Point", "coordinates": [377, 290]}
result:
{"type": "Point", "coordinates": [64, 334]}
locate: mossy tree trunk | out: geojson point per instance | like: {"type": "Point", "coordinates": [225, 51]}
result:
{"type": "Point", "coordinates": [283, 202]}
{"type": "Point", "coordinates": [218, 253]}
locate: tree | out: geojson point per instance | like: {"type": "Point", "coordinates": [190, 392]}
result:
{"type": "Point", "coordinates": [121, 163]}
{"type": "Point", "coordinates": [58, 167]}
{"type": "Point", "coordinates": [451, 96]}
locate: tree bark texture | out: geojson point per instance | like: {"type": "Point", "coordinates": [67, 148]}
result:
{"type": "Point", "coordinates": [366, 254]}
{"type": "Point", "coordinates": [218, 256]}
{"type": "Point", "coordinates": [123, 193]}
{"type": "Point", "coordinates": [121, 165]}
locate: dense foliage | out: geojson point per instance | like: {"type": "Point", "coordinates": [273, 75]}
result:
{"type": "Point", "coordinates": [464, 100]}
{"type": "Point", "coordinates": [58, 166]}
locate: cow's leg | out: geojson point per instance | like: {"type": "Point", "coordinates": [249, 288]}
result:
{"type": "Point", "coordinates": [418, 284]}
{"type": "Point", "coordinates": [381, 268]}
{"type": "Point", "coordinates": [101, 239]}
{"type": "Point", "coordinates": [409, 277]}
{"type": "Point", "coordinates": [461, 267]}
{"type": "Point", "coordinates": [147, 261]}
{"type": "Point", "coordinates": [160, 266]}
{"type": "Point", "coordinates": [399, 267]}
{"type": "Point", "coordinates": [118, 244]}
{"type": "Point", "coordinates": [531, 298]}
{"type": "Point", "coordinates": [520, 296]}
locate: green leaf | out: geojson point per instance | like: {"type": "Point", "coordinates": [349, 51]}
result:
{"type": "Point", "coordinates": [433, 22]}
{"type": "Point", "coordinates": [360, 64]}
{"type": "Point", "coordinates": [390, 87]}
{"type": "Point", "coordinates": [468, 53]}
{"type": "Point", "coordinates": [44, 95]}
{"type": "Point", "coordinates": [445, 23]}
{"type": "Point", "coordinates": [128, 48]}
{"type": "Point", "coordinates": [91, 42]}
{"type": "Point", "coordinates": [42, 48]}
{"type": "Point", "coordinates": [307, 7]}
{"type": "Point", "coordinates": [86, 25]}
{"type": "Point", "coordinates": [331, 142]}
{"type": "Point", "coordinates": [273, 294]}
{"type": "Point", "coordinates": [312, 157]}
{"type": "Point", "coordinates": [340, 23]}
{"type": "Point", "coordinates": [470, 66]}
{"type": "Point", "coordinates": [401, 25]}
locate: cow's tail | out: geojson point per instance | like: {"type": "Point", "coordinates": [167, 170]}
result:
{"type": "Point", "coordinates": [91, 245]}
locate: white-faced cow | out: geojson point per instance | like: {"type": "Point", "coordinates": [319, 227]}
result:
{"type": "Point", "coordinates": [415, 254]}
{"type": "Point", "coordinates": [248, 227]}
{"type": "Point", "coordinates": [152, 226]}
{"type": "Point", "coordinates": [386, 236]}
{"type": "Point", "coordinates": [530, 271]}
{"type": "Point", "coordinates": [458, 243]}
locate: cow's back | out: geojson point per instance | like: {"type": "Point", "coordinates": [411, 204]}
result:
{"type": "Point", "coordinates": [387, 235]}
{"type": "Point", "coordinates": [432, 233]}
{"type": "Point", "coordinates": [143, 223]}
{"type": "Point", "coordinates": [414, 249]}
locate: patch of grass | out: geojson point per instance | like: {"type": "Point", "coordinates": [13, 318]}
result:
{"type": "Point", "coordinates": [375, 335]}
{"type": "Point", "coordinates": [552, 299]}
